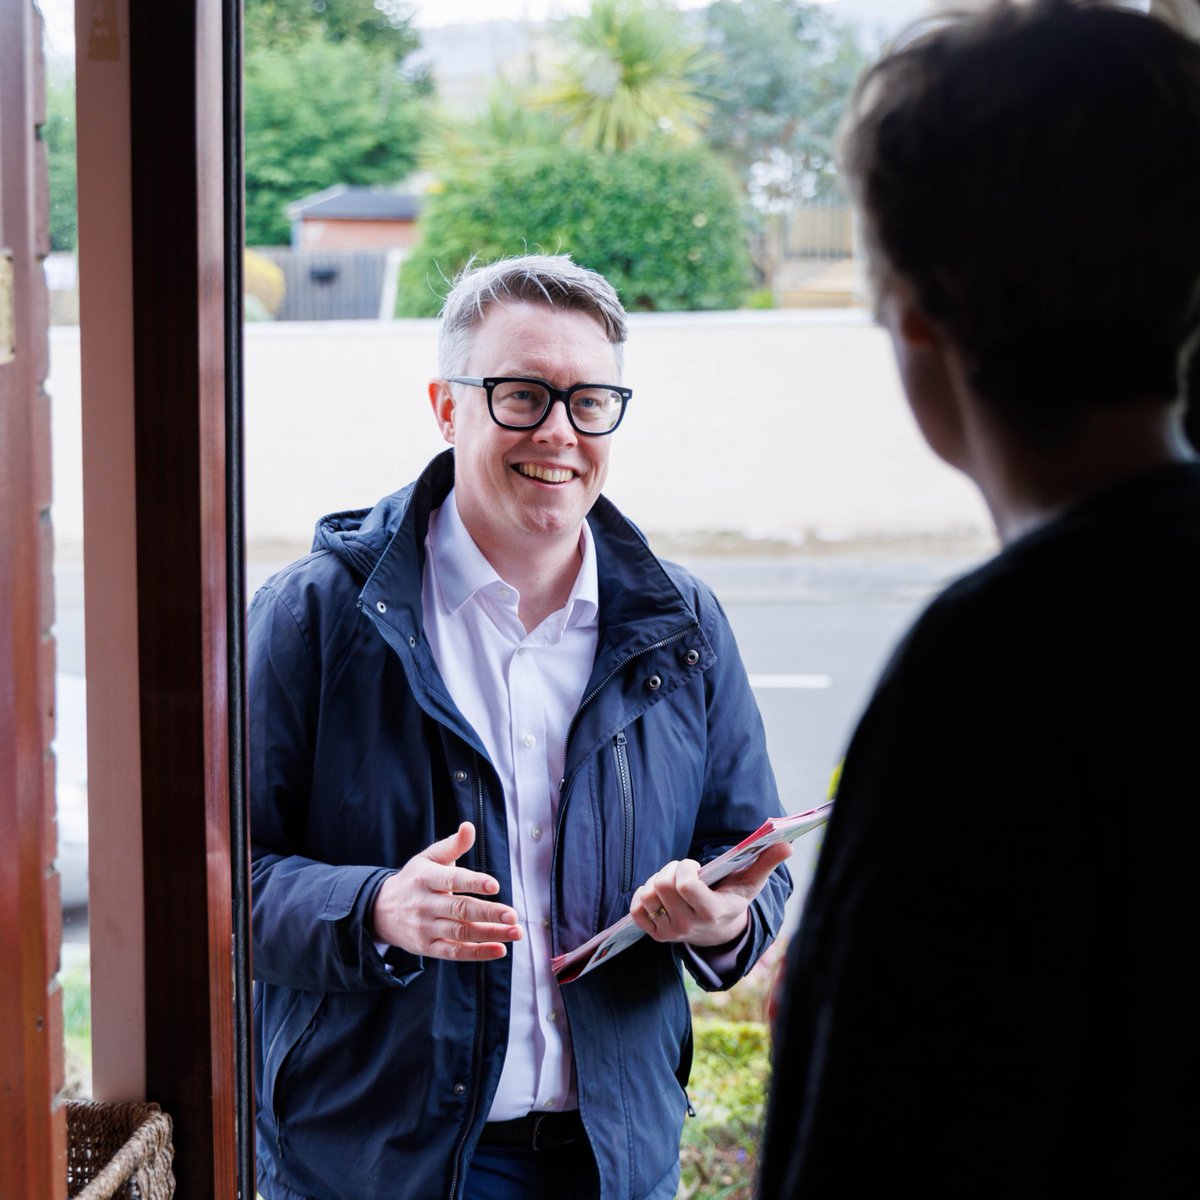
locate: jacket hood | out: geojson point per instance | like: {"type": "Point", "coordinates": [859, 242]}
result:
{"type": "Point", "coordinates": [359, 536]}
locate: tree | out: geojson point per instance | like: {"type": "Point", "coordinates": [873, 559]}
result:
{"type": "Point", "coordinates": [779, 74]}
{"type": "Point", "coordinates": [660, 222]}
{"type": "Point", "coordinates": [384, 26]}
{"type": "Point", "coordinates": [59, 135]}
{"type": "Point", "coordinates": [629, 75]}
{"type": "Point", "coordinates": [507, 120]}
{"type": "Point", "coordinates": [319, 113]}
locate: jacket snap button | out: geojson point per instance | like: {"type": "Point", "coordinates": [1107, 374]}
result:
{"type": "Point", "coordinates": [692, 657]}
{"type": "Point", "coordinates": [459, 1088]}
{"type": "Point", "coordinates": [412, 641]}
{"type": "Point", "coordinates": [654, 683]}
{"type": "Point", "coordinates": [380, 607]}
{"type": "Point", "coordinates": [460, 776]}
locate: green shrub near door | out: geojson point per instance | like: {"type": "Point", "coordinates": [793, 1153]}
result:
{"type": "Point", "coordinates": [661, 222]}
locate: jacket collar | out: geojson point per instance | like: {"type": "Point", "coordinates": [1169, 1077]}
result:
{"type": "Point", "coordinates": [639, 603]}
{"type": "Point", "coordinates": [461, 571]}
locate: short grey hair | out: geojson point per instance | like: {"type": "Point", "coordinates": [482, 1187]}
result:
{"type": "Point", "coordinates": [549, 279]}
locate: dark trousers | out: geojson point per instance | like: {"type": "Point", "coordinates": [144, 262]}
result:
{"type": "Point", "coordinates": [518, 1173]}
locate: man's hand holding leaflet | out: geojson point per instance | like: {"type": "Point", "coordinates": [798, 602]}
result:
{"type": "Point", "coordinates": [681, 902]}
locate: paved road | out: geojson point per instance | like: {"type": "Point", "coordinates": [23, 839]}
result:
{"type": "Point", "coordinates": [814, 631]}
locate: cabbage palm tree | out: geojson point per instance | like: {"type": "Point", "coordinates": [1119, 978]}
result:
{"type": "Point", "coordinates": [629, 74]}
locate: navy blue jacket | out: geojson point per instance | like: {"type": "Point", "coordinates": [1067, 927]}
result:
{"type": "Point", "coordinates": [374, 1083]}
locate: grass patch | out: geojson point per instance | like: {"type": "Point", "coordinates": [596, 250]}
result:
{"type": "Point", "coordinates": [77, 1031]}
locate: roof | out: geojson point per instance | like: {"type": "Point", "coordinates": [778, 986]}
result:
{"type": "Point", "coordinates": [342, 203]}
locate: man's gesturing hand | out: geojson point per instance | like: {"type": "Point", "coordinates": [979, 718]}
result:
{"type": "Point", "coordinates": [676, 905]}
{"type": "Point", "coordinates": [422, 909]}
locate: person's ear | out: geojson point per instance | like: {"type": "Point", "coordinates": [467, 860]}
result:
{"type": "Point", "coordinates": [927, 368]}
{"type": "Point", "coordinates": [441, 398]}
{"type": "Point", "coordinates": [907, 320]}
{"type": "Point", "coordinates": [914, 326]}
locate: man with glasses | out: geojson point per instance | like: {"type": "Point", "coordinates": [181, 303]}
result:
{"type": "Point", "coordinates": [487, 723]}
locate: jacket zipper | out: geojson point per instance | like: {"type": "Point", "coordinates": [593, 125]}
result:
{"type": "Point", "coordinates": [563, 788]}
{"type": "Point", "coordinates": [622, 755]}
{"type": "Point", "coordinates": [480, 995]}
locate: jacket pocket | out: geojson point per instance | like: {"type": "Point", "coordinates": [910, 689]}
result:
{"type": "Point", "coordinates": [625, 782]}
{"type": "Point", "coordinates": [683, 1071]}
{"type": "Point", "coordinates": [297, 1020]}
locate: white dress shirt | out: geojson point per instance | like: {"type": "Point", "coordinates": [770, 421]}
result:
{"type": "Point", "coordinates": [519, 692]}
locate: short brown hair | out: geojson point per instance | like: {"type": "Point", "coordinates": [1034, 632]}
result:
{"type": "Point", "coordinates": [1032, 172]}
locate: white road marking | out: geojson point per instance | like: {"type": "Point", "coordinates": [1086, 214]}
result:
{"type": "Point", "coordinates": [791, 681]}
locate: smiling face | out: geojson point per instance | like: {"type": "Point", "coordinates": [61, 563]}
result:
{"type": "Point", "coordinates": [523, 494]}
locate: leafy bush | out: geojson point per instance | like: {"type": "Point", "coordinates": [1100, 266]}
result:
{"type": "Point", "coordinates": [728, 1085]}
{"type": "Point", "coordinates": [728, 1091]}
{"type": "Point", "coordinates": [661, 222]}
{"type": "Point", "coordinates": [59, 135]}
{"type": "Point", "coordinates": [265, 286]}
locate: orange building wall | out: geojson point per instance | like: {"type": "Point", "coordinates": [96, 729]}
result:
{"type": "Point", "coordinates": [357, 235]}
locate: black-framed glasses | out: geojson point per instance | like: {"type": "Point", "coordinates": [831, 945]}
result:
{"type": "Point", "coordinates": [515, 402]}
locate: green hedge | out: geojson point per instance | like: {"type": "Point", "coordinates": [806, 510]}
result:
{"type": "Point", "coordinates": [728, 1091]}
{"type": "Point", "coordinates": [661, 222]}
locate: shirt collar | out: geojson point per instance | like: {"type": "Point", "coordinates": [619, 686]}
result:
{"type": "Point", "coordinates": [462, 571]}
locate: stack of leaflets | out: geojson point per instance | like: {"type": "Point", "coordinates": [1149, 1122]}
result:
{"type": "Point", "coordinates": [608, 942]}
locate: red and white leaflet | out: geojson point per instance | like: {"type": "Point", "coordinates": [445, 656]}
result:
{"type": "Point", "coordinates": [619, 936]}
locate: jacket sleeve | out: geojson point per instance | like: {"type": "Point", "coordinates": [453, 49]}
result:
{"type": "Point", "coordinates": [739, 793]}
{"type": "Point", "coordinates": [309, 918]}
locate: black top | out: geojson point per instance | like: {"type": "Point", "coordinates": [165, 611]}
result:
{"type": "Point", "coordinates": [993, 990]}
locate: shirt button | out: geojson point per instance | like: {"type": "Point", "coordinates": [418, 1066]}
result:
{"type": "Point", "coordinates": [552, 1015]}
{"type": "Point", "coordinates": [529, 741]}
{"type": "Point", "coordinates": [504, 593]}
{"type": "Point", "coordinates": [545, 922]}
{"type": "Point", "coordinates": [549, 1103]}
{"type": "Point", "coordinates": [535, 832]}
{"type": "Point", "coordinates": [520, 651]}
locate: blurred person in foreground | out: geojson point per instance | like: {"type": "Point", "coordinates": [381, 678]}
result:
{"type": "Point", "coordinates": [487, 722]}
{"type": "Point", "coordinates": [992, 992]}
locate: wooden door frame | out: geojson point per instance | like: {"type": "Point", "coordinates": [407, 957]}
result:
{"type": "Point", "coordinates": [160, 304]}
{"type": "Point", "coordinates": [32, 1126]}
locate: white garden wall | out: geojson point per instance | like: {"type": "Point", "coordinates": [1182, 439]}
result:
{"type": "Point", "coordinates": [784, 425]}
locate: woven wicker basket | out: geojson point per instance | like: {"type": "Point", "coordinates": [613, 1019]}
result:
{"type": "Point", "coordinates": [118, 1152]}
